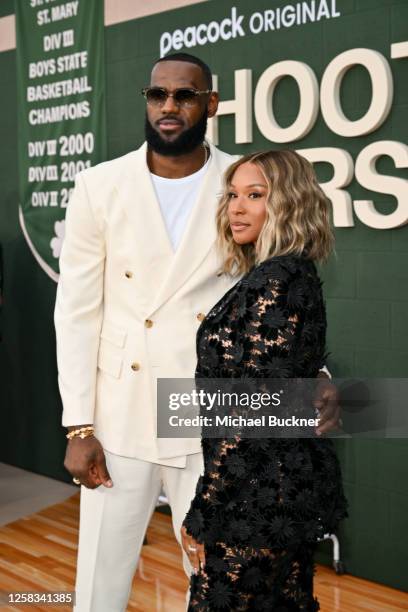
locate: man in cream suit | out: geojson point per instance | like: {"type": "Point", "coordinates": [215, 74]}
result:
{"type": "Point", "coordinates": [139, 271]}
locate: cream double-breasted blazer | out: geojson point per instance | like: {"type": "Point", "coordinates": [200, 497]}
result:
{"type": "Point", "coordinates": [128, 307]}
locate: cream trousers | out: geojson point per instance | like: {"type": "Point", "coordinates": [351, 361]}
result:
{"type": "Point", "coordinates": [113, 524]}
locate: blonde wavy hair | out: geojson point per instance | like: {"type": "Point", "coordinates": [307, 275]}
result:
{"type": "Point", "coordinates": [297, 214]}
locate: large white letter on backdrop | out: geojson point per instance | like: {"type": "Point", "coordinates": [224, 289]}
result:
{"type": "Point", "coordinates": [309, 101]}
{"type": "Point", "coordinates": [382, 92]}
{"type": "Point", "coordinates": [241, 107]}
{"type": "Point", "coordinates": [368, 177]}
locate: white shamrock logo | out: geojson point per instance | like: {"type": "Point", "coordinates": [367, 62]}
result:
{"type": "Point", "coordinates": [58, 239]}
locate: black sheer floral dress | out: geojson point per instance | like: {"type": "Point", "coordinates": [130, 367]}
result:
{"type": "Point", "coordinates": [261, 504]}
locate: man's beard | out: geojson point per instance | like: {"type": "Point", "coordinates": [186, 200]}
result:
{"type": "Point", "coordinates": [185, 143]}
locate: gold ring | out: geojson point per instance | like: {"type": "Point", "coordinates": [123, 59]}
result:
{"type": "Point", "coordinates": [76, 481]}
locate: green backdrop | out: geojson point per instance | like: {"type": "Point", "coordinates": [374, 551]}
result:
{"type": "Point", "coordinates": [366, 286]}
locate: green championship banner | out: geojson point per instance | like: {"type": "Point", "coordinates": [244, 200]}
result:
{"type": "Point", "coordinates": [62, 125]}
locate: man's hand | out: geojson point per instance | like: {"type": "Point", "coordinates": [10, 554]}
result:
{"type": "Point", "coordinates": [327, 403]}
{"type": "Point", "coordinates": [85, 460]}
{"type": "Point", "coordinates": [194, 550]}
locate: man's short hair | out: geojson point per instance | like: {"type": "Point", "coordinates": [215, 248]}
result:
{"type": "Point", "coordinates": [191, 59]}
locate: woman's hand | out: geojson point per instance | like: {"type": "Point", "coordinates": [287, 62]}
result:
{"type": "Point", "coordinates": [193, 549]}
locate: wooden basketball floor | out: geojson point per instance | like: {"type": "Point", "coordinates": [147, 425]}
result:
{"type": "Point", "coordinates": [38, 553]}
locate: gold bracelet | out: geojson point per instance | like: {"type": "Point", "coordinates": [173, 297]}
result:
{"type": "Point", "coordinates": [82, 432]}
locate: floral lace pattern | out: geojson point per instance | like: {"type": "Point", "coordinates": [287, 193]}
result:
{"type": "Point", "coordinates": [261, 504]}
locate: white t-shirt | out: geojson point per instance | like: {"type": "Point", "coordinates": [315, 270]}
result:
{"type": "Point", "coordinates": [177, 198]}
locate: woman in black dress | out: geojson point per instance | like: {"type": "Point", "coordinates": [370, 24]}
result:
{"type": "Point", "coordinates": [262, 504]}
